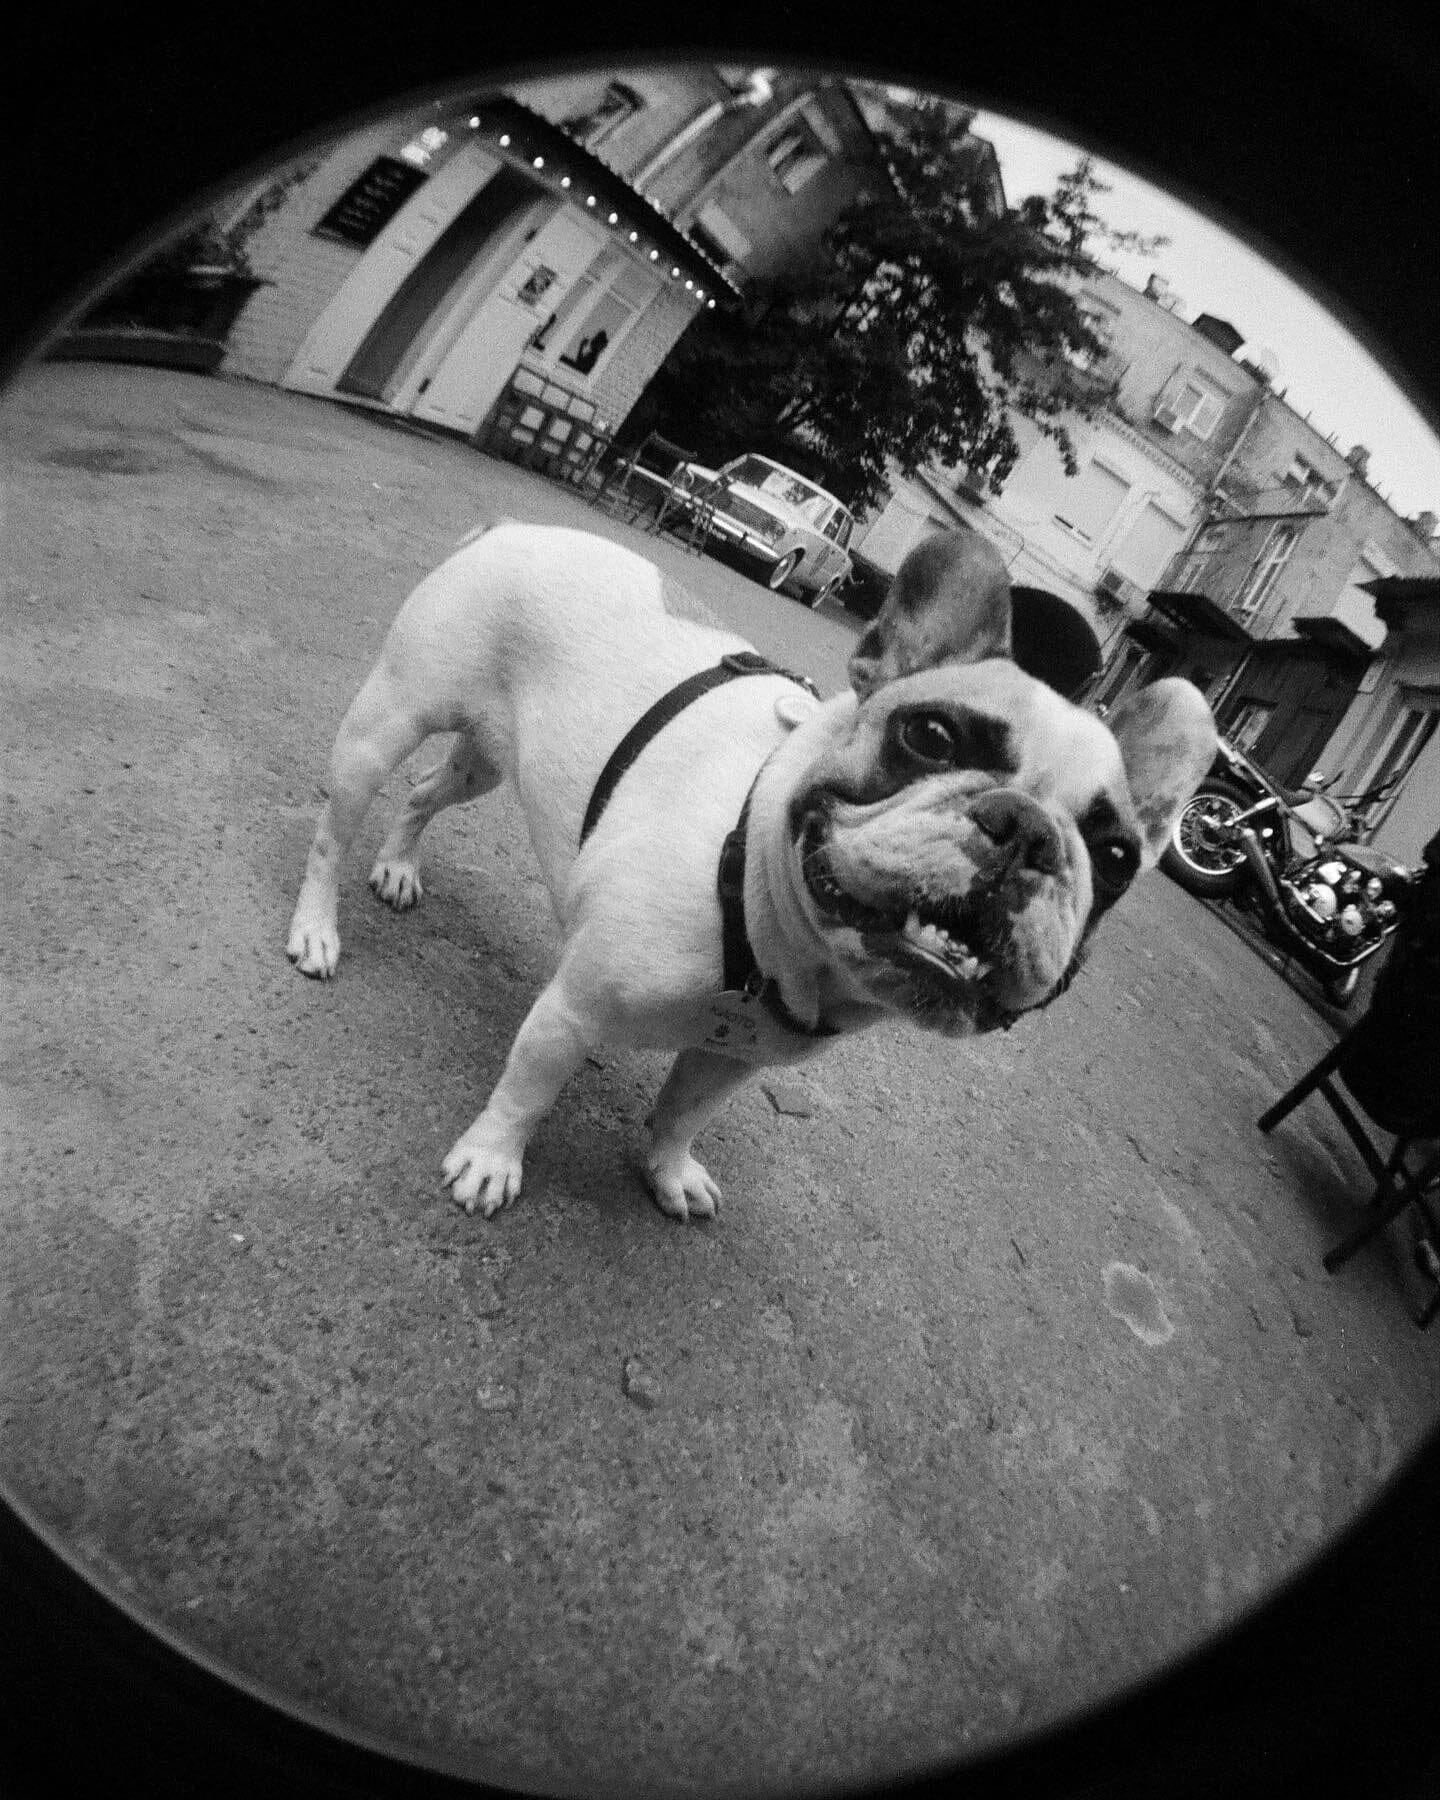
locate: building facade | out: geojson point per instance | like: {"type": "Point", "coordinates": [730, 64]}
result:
{"type": "Point", "coordinates": [568, 231]}
{"type": "Point", "coordinates": [1390, 738]}
{"type": "Point", "coordinates": [1175, 405]}
{"type": "Point", "coordinates": [1288, 551]}
{"type": "Point", "coordinates": [1211, 531]}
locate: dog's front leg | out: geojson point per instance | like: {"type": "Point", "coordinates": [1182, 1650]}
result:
{"type": "Point", "coordinates": [484, 1166]}
{"type": "Point", "coordinates": [696, 1087]}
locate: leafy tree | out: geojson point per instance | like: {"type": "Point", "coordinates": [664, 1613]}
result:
{"type": "Point", "coordinates": [935, 320]}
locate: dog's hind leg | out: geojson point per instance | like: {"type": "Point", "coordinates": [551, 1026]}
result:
{"type": "Point", "coordinates": [466, 773]}
{"type": "Point", "coordinates": [699, 1082]}
{"type": "Point", "coordinates": [377, 733]}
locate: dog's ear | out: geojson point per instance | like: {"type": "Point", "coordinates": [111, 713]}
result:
{"type": "Point", "coordinates": [1167, 738]}
{"type": "Point", "coordinates": [949, 602]}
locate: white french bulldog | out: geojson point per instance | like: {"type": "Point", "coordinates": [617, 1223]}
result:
{"type": "Point", "coordinates": [766, 870]}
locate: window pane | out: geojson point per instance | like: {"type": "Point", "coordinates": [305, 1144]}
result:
{"type": "Point", "coordinates": [1090, 500]}
{"type": "Point", "coordinates": [1148, 545]}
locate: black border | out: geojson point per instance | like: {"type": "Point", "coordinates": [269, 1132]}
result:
{"type": "Point", "coordinates": [1312, 125]}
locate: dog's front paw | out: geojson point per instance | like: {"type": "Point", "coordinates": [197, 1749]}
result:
{"type": "Point", "coordinates": [683, 1187]}
{"type": "Point", "coordinates": [314, 946]}
{"type": "Point", "coordinates": [482, 1171]}
{"type": "Point", "coordinates": [397, 884]}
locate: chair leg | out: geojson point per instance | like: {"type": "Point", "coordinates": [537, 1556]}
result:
{"type": "Point", "coordinates": [1388, 1203]}
{"type": "Point", "coordinates": [1399, 1187]}
{"type": "Point", "coordinates": [1427, 1256]}
{"type": "Point", "coordinates": [1360, 1137]}
{"type": "Point", "coordinates": [1306, 1085]}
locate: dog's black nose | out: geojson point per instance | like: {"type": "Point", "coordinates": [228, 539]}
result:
{"type": "Point", "coordinates": [1020, 829]}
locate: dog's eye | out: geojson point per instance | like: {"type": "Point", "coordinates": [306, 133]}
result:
{"type": "Point", "coordinates": [929, 738]}
{"type": "Point", "coordinates": [1114, 861]}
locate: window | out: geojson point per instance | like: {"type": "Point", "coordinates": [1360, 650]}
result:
{"type": "Point", "coordinates": [1198, 561]}
{"type": "Point", "coordinates": [1415, 731]}
{"type": "Point", "coordinates": [1148, 546]}
{"type": "Point", "coordinates": [1200, 407]}
{"type": "Point", "coordinates": [560, 325]}
{"type": "Point", "coordinates": [770, 478]}
{"type": "Point", "coordinates": [1303, 474]}
{"type": "Point", "coordinates": [1195, 406]}
{"type": "Point", "coordinates": [369, 204]}
{"type": "Point", "coordinates": [796, 155]}
{"type": "Point", "coordinates": [1248, 724]}
{"type": "Point", "coordinates": [1195, 572]}
{"type": "Point", "coordinates": [1264, 572]}
{"type": "Point", "coordinates": [614, 106]}
{"type": "Point", "coordinates": [597, 312]}
{"type": "Point", "coordinates": [716, 235]}
{"type": "Point", "coordinates": [838, 526]}
{"type": "Point", "coordinates": [1090, 501]}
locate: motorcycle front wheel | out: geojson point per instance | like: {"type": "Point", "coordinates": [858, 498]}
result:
{"type": "Point", "coordinates": [1197, 856]}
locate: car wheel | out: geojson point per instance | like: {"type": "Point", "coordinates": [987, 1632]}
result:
{"type": "Point", "coordinates": [782, 571]}
{"type": "Point", "coordinates": [826, 591]}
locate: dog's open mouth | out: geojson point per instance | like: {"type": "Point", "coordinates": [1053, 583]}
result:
{"type": "Point", "coordinates": [947, 938]}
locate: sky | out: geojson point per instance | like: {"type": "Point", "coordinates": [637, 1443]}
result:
{"type": "Point", "coordinates": [1324, 370]}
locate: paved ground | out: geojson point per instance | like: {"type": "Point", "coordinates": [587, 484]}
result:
{"type": "Point", "coordinates": [1009, 1372]}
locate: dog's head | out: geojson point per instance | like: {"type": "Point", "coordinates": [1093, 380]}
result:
{"type": "Point", "coordinates": [958, 827]}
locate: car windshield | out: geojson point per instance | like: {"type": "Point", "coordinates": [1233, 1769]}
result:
{"type": "Point", "coordinates": [780, 484]}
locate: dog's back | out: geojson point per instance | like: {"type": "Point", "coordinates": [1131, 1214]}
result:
{"type": "Point", "coordinates": [545, 645]}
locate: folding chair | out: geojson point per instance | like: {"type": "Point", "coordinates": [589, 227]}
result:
{"type": "Point", "coordinates": [651, 465]}
{"type": "Point", "coordinates": [690, 512]}
{"type": "Point", "coordinates": [1389, 1065]}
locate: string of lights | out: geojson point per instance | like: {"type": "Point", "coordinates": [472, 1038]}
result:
{"type": "Point", "coordinates": [581, 177]}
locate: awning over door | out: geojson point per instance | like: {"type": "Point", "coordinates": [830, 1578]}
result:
{"type": "Point", "coordinates": [555, 159]}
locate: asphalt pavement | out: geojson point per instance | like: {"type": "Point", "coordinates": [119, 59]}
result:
{"type": "Point", "coordinates": [1008, 1373]}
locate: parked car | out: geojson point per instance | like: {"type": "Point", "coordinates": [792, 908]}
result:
{"type": "Point", "coordinates": [797, 533]}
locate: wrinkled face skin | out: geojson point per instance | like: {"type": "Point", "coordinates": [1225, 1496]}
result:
{"type": "Point", "coordinates": [956, 845]}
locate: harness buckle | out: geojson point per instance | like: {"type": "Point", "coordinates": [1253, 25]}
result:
{"type": "Point", "coordinates": [751, 662]}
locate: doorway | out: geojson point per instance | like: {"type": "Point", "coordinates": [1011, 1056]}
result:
{"type": "Point", "coordinates": [376, 365]}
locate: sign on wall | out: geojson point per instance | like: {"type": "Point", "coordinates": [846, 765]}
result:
{"type": "Point", "coordinates": [369, 204]}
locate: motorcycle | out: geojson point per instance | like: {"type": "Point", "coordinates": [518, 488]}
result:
{"type": "Point", "coordinates": [1293, 856]}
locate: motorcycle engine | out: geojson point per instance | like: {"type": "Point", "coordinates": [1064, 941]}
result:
{"type": "Point", "coordinates": [1342, 908]}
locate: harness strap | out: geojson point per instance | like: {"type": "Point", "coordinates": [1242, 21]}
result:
{"type": "Point", "coordinates": [742, 974]}
{"type": "Point", "coordinates": [669, 706]}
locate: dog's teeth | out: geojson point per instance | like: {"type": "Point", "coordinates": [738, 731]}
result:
{"type": "Point", "coordinates": [927, 935]}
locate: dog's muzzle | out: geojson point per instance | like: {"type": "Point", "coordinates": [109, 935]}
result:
{"type": "Point", "coordinates": [956, 949]}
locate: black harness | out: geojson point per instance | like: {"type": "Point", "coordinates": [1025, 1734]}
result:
{"type": "Point", "coordinates": [742, 973]}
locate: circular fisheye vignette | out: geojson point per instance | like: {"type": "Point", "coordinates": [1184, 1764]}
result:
{"type": "Point", "coordinates": [329, 136]}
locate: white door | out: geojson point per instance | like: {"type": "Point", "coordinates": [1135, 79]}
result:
{"type": "Point", "coordinates": [466, 382]}
{"type": "Point", "coordinates": [335, 336]}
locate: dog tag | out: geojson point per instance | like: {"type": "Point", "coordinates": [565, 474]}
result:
{"type": "Point", "coordinates": [735, 1019]}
